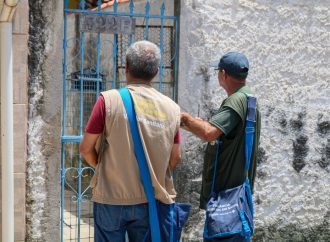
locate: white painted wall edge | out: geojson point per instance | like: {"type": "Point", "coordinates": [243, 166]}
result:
{"type": "Point", "coordinates": [7, 136]}
{"type": "Point", "coordinates": [7, 125]}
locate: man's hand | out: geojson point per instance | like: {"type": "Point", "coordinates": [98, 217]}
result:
{"type": "Point", "coordinates": [108, 4]}
{"type": "Point", "coordinates": [184, 120]}
{"type": "Point", "coordinates": [199, 127]}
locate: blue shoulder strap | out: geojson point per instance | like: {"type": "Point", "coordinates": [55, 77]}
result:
{"type": "Point", "coordinates": [249, 128]}
{"type": "Point", "coordinates": [216, 162]}
{"type": "Point", "coordinates": [142, 162]}
{"type": "Point", "coordinates": [249, 139]}
{"type": "Point", "coordinates": [249, 136]}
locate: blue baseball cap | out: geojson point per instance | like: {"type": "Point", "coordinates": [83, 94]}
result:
{"type": "Point", "coordinates": [234, 63]}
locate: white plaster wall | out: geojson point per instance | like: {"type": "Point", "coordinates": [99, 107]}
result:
{"type": "Point", "coordinates": [288, 45]}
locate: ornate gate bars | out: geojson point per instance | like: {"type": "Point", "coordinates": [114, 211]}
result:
{"type": "Point", "coordinates": [94, 62]}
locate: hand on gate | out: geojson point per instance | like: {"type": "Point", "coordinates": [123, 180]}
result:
{"type": "Point", "coordinates": [108, 4]}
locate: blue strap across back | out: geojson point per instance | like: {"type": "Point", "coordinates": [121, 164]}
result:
{"type": "Point", "coordinates": [142, 162]}
{"type": "Point", "coordinates": [249, 128]}
{"type": "Point", "coordinates": [249, 137]}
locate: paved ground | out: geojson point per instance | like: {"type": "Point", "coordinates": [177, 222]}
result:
{"type": "Point", "coordinates": [71, 221]}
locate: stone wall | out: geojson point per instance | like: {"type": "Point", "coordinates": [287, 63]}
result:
{"type": "Point", "coordinates": [287, 43]}
{"type": "Point", "coordinates": [44, 120]}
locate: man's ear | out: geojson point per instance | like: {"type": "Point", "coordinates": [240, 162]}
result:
{"type": "Point", "coordinates": [126, 67]}
{"type": "Point", "coordinates": [225, 74]}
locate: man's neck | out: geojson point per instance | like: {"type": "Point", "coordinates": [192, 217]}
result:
{"type": "Point", "coordinates": [232, 89]}
{"type": "Point", "coordinates": [137, 82]}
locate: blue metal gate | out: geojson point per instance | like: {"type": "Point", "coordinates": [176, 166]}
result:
{"type": "Point", "coordinates": [94, 62]}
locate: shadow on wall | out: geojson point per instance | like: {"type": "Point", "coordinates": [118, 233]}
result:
{"type": "Point", "coordinates": [296, 127]}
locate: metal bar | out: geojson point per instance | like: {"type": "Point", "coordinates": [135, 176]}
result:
{"type": "Point", "coordinates": [161, 46]}
{"type": "Point", "coordinates": [119, 14]}
{"type": "Point", "coordinates": [63, 122]}
{"type": "Point", "coordinates": [131, 10]}
{"type": "Point", "coordinates": [114, 51]}
{"type": "Point", "coordinates": [62, 190]}
{"type": "Point", "coordinates": [89, 220]}
{"type": "Point", "coordinates": [82, 49]}
{"type": "Point", "coordinates": [82, 53]}
{"type": "Point", "coordinates": [70, 217]}
{"type": "Point", "coordinates": [146, 35]}
{"type": "Point", "coordinates": [82, 4]}
{"type": "Point", "coordinates": [97, 79]}
{"type": "Point", "coordinates": [64, 75]}
{"type": "Point", "coordinates": [115, 6]}
{"type": "Point", "coordinates": [73, 139]}
{"type": "Point", "coordinates": [98, 57]}
{"type": "Point", "coordinates": [176, 61]}
{"type": "Point", "coordinates": [79, 197]}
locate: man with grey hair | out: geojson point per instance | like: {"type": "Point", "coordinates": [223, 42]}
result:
{"type": "Point", "coordinates": [120, 204]}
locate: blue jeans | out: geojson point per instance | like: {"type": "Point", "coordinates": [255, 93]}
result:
{"type": "Point", "coordinates": [111, 222]}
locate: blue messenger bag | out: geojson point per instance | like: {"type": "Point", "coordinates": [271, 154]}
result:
{"type": "Point", "coordinates": [166, 220]}
{"type": "Point", "coordinates": [229, 213]}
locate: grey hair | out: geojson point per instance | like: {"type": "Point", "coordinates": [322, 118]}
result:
{"type": "Point", "coordinates": [143, 58]}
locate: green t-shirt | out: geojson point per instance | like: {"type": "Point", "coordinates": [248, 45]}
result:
{"type": "Point", "coordinates": [230, 119]}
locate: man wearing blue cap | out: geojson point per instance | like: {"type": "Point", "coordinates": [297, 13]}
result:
{"type": "Point", "coordinates": [229, 124]}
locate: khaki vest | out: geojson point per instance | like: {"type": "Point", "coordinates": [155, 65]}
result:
{"type": "Point", "coordinates": [117, 178]}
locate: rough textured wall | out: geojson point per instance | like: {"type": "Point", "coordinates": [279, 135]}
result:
{"type": "Point", "coordinates": [288, 45]}
{"type": "Point", "coordinates": [45, 80]}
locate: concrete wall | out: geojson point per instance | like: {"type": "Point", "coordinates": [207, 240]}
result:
{"type": "Point", "coordinates": [45, 82]}
{"type": "Point", "coordinates": [20, 77]}
{"type": "Point", "coordinates": [287, 43]}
